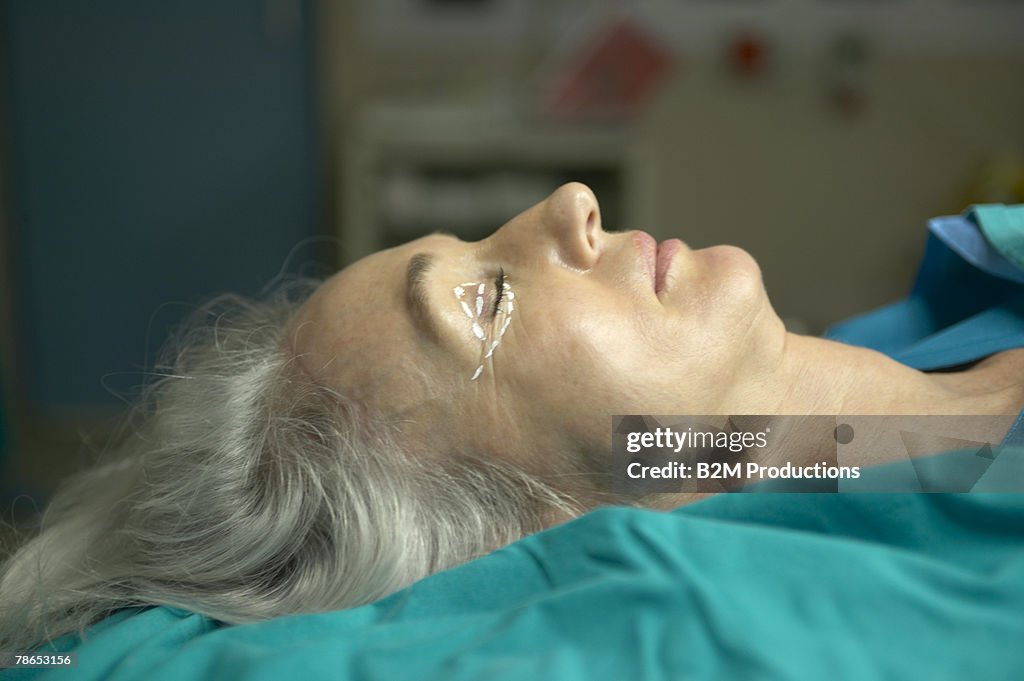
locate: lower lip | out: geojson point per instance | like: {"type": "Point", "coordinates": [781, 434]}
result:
{"type": "Point", "coordinates": [666, 251]}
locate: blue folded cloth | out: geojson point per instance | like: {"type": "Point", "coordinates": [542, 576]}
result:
{"type": "Point", "coordinates": [967, 300]}
{"type": "Point", "coordinates": [989, 236]}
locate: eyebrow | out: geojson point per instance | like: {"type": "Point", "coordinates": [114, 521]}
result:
{"type": "Point", "coordinates": [416, 275]}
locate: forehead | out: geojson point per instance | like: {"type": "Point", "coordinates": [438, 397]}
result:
{"type": "Point", "coordinates": [355, 334]}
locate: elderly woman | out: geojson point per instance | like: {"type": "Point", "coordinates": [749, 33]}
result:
{"type": "Point", "coordinates": [426, 405]}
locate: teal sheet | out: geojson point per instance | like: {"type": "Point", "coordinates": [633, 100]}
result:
{"type": "Point", "coordinates": [742, 586]}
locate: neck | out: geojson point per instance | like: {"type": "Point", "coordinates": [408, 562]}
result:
{"type": "Point", "coordinates": [815, 376]}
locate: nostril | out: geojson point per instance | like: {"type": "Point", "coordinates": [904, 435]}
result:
{"type": "Point", "coordinates": [591, 226]}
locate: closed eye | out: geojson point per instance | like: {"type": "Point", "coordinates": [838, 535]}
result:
{"type": "Point", "coordinates": [499, 285]}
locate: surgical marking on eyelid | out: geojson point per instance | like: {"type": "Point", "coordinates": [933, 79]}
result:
{"type": "Point", "coordinates": [477, 328]}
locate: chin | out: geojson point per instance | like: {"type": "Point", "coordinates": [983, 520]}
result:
{"type": "Point", "coordinates": [736, 281]}
{"type": "Point", "coordinates": [732, 258]}
{"type": "Point", "coordinates": [729, 275]}
{"type": "Point", "coordinates": [719, 284]}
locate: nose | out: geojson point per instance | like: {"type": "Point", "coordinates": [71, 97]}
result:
{"type": "Point", "coordinates": [572, 217]}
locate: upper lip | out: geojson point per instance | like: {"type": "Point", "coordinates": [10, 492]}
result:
{"type": "Point", "coordinates": [648, 248]}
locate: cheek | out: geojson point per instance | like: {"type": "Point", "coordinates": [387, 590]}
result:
{"type": "Point", "coordinates": [575, 376]}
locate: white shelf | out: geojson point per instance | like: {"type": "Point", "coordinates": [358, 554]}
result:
{"type": "Point", "coordinates": [408, 170]}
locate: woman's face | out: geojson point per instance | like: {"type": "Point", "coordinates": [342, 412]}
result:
{"type": "Point", "coordinates": [582, 332]}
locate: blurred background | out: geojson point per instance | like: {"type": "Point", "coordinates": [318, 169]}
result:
{"type": "Point", "coordinates": [154, 154]}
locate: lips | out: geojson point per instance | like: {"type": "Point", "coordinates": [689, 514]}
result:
{"type": "Point", "coordinates": [656, 258]}
{"type": "Point", "coordinates": [666, 251]}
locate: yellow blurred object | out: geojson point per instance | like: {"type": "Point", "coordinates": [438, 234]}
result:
{"type": "Point", "coordinates": [999, 179]}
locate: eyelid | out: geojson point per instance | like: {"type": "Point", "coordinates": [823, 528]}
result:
{"type": "Point", "coordinates": [499, 292]}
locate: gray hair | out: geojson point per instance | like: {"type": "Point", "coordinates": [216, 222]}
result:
{"type": "Point", "coordinates": [243, 490]}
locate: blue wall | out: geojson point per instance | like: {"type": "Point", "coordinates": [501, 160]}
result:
{"type": "Point", "coordinates": [158, 153]}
